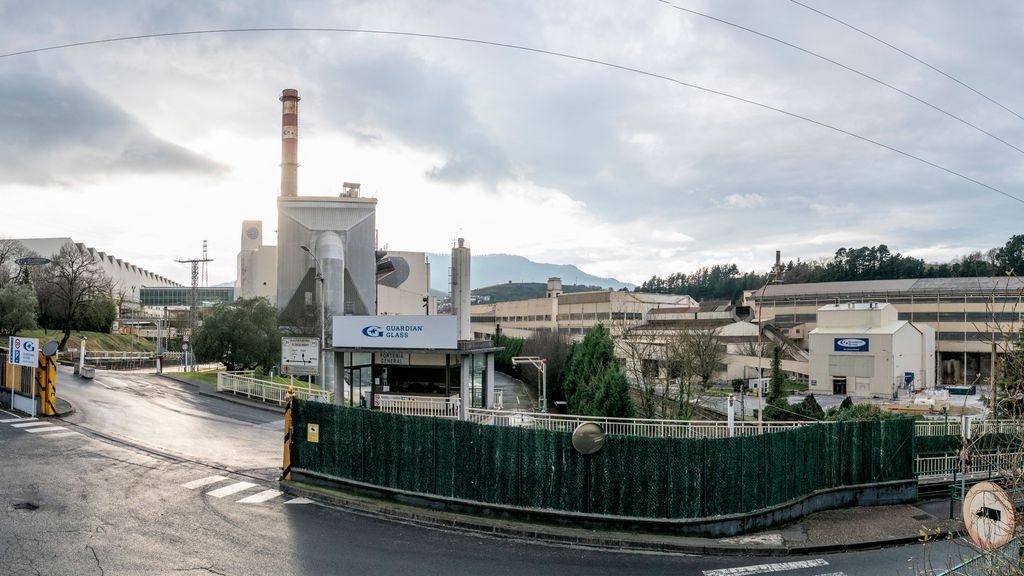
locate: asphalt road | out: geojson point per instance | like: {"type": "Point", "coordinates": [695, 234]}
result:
{"type": "Point", "coordinates": [150, 478]}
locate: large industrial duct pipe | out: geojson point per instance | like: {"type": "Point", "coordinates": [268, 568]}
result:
{"type": "Point", "coordinates": [330, 250]}
{"type": "Point", "coordinates": [290, 142]}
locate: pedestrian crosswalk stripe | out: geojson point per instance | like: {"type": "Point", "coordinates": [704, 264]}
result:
{"type": "Point", "coordinates": [9, 420]}
{"type": "Point", "coordinates": [260, 497]}
{"type": "Point", "coordinates": [203, 482]}
{"type": "Point", "coordinates": [30, 424]}
{"type": "Point", "coordinates": [62, 434]}
{"type": "Point", "coordinates": [45, 429]}
{"type": "Point", "coordinates": [766, 568]}
{"type": "Point", "coordinates": [229, 490]}
{"type": "Point", "coordinates": [299, 501]}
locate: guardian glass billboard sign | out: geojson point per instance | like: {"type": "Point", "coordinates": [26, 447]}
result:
{"type": "Point", "coordinates": [851, 344]}
{"type": "Point", "coordinates": [416, 332]}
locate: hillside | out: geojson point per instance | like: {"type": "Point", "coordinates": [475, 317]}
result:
{"type": "Point", "coordinates": [492, 269]}
{"type": "Point", "coordinates": [525, 290]}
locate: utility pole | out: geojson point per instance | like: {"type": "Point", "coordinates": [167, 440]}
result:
{"type": "Point", "coordinates": [195, 262]}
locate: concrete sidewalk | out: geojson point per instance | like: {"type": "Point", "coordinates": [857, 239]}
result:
{"type": "Point", "coordinates": [826, 531]}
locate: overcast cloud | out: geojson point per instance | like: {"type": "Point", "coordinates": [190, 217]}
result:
{"type": "Point", "coordinates": [558, 160]}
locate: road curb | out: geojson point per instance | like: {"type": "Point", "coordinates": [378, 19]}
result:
{"type": "Point", "coordinates": [573, 536]}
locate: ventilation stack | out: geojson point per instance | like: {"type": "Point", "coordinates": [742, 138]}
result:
{"type": "Point", "coordinates": [554, 287]}
{"type": "Point", "coordinates": [290, 142]}
{"type": "Point", "coordinates": [461, 288]}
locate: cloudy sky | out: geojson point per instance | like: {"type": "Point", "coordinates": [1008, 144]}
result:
{"type": "Point", "coordinates": [145, 148]}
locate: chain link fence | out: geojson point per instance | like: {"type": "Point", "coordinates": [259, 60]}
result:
{"type": "Point", "coordinates": [631, 476]}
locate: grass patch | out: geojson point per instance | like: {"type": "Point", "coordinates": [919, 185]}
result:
{"type": "Point", "coordinates": [95, 341]}
{"type": "Point", "coordinates": [206, 377]}
{"type": "Point", "coordinates": [795, 386]}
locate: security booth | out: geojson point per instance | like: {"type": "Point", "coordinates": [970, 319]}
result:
{"type": "Point", "coordinates": [412, 365]}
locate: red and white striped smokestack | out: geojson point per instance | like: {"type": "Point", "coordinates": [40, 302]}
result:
{"type": "Point", "coordinates": [290, 142]}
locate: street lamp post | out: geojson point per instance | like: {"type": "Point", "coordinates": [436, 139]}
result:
{"type": "Point", "coordinates": [321, 322]}
{"type": "Point", "coordinates": [540, 364]}
{"type": "Point", "coordinates": [760, 354]}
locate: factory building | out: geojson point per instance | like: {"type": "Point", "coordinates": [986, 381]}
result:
{"type": "Point", "coordinates": [971, 317]}
{"type": "Point", "coordinates": [571, 314]}
{"type": "Point", "coordinates": [382, 346]}
{"type": "Point", "coordinates": [864, 349]}
{"type": "Point", "coordinates": [128, 279]}
{"type": "Point", "coordinates": [257, 265]}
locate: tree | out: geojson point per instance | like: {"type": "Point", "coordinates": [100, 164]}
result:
{"type": "Point", "coordinates": [17, 308]}
{"type": "Point", "coordinates": [594, 378]}
{"type": "Point", "coordinates": [10, 250]}
{"type": "Point", "coordinates": [554, 348]}
{"type": "Point", "coordinates": [66, 285]}
{"type": "Point", "coordinates": [97, 315]}
{"type": "Point", "coordinates": [778, 407]}
{"type": "Point", "coordinates": [642, 351]}
{"type": "Point", "coordinates": [243, 335]}
{"type": "Point", "coordinates": [693, 355]}
{"type": "Point", "coordinates": [613, 394]}
{"type": "Point", "coordinates": [1010, 258]}
{"type": "Point", "coordinates": [511, 347]}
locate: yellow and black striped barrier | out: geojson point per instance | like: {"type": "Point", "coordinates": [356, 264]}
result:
{"type": "Point", "coordinates": [46, 382]}
{"type": "Point", "coordinates": [286, 466]}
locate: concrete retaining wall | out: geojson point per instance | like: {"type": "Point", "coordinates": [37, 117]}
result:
{"type": "Point", "coordinates": [896, 492]}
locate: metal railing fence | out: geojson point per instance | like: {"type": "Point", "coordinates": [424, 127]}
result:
{"type": "Point", "coordinates": [245, 384]}
{"type": "Point", "coordinates": [418, 405]}
{"type": "Point", "coordinates": [995, 463]}
{"type": "Point", "coordinates": [979, 427]}
{"type": "Point", "coordinates": [1005, 559]}
{"type": "Point", "coordinates": [628, 426]}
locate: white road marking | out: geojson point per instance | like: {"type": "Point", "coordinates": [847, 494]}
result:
{"type": "Point", "coordinates": [766, 568]}
{"type": "Point", "coordinates": [28, 424]}
{"type": "Point", "coordinates": [833, 574]}
{"type": "Point", "coordinates": [45, 429]}
{"type": "Point", "coordinates": [299, 501]}
{"type": "Point", "coordinates": [9, 420]}
{"type": "Point", "coordinates": [260, 497]}
{"type": "Point", "coordinates": [203, 482]}
{"type": "Point", "coordinates": [232, 489]}
{"type": "Point", "coordinates": [62, 434]}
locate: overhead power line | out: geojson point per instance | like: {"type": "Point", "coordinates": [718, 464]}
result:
{"type": "Point", "coordinates": [908, 55]}
{"type": "Point", "coordinates": [533, 50]}
{"type": "Point", "coordinates": [845, 67]}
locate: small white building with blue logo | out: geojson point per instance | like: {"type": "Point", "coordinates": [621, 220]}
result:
{"type": "Point", "coordinates": [863, 349]}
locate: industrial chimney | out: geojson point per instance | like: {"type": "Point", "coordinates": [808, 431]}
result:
{"type": "Point", "coordinates": [290, 142]}
{"type": "Point", "coordinates": [460, 288]}
{"type": "Point", "coordinates": [778, 266]}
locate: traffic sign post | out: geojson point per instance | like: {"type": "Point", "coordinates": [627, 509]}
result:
{"type": "Point", "coordinates": [23, 352]}
{"type": "Point", "coordinates": [300, 356]}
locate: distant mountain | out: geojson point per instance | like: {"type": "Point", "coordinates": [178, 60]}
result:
{"type": "Point", "coordinates": [491, 269]}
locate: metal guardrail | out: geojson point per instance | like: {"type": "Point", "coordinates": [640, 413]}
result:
{"type": "Point", "coordinates": [630, 426]}
{"type": "Point", "coordinates": [245, 384]}
{"type": "Point", "coordinates": [417, 405]}
{"type": "Point", "coordinates": [978, 427]}
{"type": "Point", "coordinates": [1005, 559]}
{"type": "Point", "coordinates": [992, 464]}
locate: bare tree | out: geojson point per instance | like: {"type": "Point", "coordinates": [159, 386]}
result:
{"type": "Point", "coordinates": [641, 352]}
{"type": "Point", "coordinates": [695, 354]}
{"type": "Point", "coordinates": [67, 285]}
{"type": "Point", "coordinates": [10, 250]}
